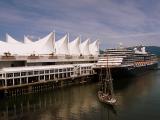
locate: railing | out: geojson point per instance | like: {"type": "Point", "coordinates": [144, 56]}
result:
{"type": "Point", "coordinates": [48, 57]}
{"type": "Point", "coordinates": [7, 57]}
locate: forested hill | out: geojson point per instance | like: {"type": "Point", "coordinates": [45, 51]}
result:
{"type": "Point", "coordinates": [153, 49]}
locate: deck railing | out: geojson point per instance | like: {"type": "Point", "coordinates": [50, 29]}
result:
{"type": "Point", "coordinates": [49, 57]}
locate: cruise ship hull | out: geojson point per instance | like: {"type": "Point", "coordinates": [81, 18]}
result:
{"type": "Point", "coordinates": [122, 72]}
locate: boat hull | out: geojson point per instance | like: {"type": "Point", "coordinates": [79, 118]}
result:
{"type": "Point", "coordinates": [105, 98]}
{"type": "Point", "coordinates": [129, 71]}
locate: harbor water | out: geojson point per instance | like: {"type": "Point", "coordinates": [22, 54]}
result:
{"type": "Point", "coordinates": [138, 99]}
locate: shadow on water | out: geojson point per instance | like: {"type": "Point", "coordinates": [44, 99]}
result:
{"type": "Point", "coordinates": [81, 102]}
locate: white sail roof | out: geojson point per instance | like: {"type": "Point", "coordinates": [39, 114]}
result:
{"type": "Point", "coordinates": [11, 40]}
{"type": "Point", "coordinates": [45, 45]}
{"type": "Point", "coordinates": [42, 46]}
{"type": "Point", "coordinates": [74, 47]}
{"type": "Point", "coordinates": [3, 47]}
{"type": "Point", "coordinates": [61, 46]}
{"type": "Point", "coordinates": [18, 49]}
{"type": "Point", "coordinates": [84, 47]}
{"type": "Point", "coordinates": [13, 46]}
{"type": "Point", "coordinates": [27, 40]}
{"type": "Point", "coordinates": [94, 48]}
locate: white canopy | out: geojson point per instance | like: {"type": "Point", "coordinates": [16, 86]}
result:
{"type": "Point", "coordinates": [27, 40]}
{"type": "Point", "coordinates": [3, 47]}
{"type": "Point", "coordinates": [84, 47]}
{"type": "Point", "coordinates": [47, 45]}
{"type": "Point", "coordinates": [42, 46]}
{"type": "Point", "coordinates": [94, 48]}
{"type": "Point", "coordinates": [74, 47]}
{"type": "Point", "coordinates": [61, 46]}
{"type": "Point", "coordinates": [11, 40]}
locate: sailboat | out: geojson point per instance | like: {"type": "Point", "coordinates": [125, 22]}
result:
{"type": "Point", "coordinates": [106, 94]}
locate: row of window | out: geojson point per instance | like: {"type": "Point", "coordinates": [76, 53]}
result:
{"type": "Point", "coordinates": [38, 72]}
{"type": "Point", "coordinates": [25, 80]}
{"type": "Point", "coordinates": [17, 74]}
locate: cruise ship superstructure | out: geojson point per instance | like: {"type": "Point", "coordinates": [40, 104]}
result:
{"type": "Point", "coordinates": [127, 62]}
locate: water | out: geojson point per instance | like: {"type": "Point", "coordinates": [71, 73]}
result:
{"type": "Point", "coordinates": [138, 99]}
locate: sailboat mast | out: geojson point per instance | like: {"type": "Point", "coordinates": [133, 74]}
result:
{"type": "Point", "coordinates": [110, 82]}
{"type": "Point", "coordinates": [101, 80]}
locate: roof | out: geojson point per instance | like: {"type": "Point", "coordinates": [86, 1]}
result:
{"type": "Point", "coordinates": [94, 48]}
{"type": "Point", "coordinates": [30, 68]}
{"type": "Point", "coordinates": [74, 48]}
{"type": "Point", "coordinates": [61, 46]}
{"type": "Point", "coordinates": [27, 40]}
{"type": "Point", "coordinates": [84, 47]}
{"type": "Point", "coordinates": [47, 45]}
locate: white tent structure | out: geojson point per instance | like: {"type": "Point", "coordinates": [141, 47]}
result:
{"type": "Point", "coordinates": [61, 46]}
{"type": "Point", "coordinates": [11, 40]}
{"type": "Point", "coordinates": [42, 46]}
{"type": "Point", "coordinates": [3, 47]}
{"type": "Point", "coordinates": [45, 45]}
{"type": "Point", "coordinates": [13, 46]}
{"type": "Point", "coordinates": [84, 47]}
{"type": "Point", "coordinates": [74, 47]}
{"type": "Point", "coordinates": [94, 48]}
{"type": "Point", "coordinates": [27, 40]}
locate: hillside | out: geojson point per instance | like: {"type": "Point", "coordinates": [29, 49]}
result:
{"type": "Point", "coordinates": [153, 49]}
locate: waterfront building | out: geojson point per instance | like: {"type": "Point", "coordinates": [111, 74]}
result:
{"type": "Point", "coordinates": [45, 61]}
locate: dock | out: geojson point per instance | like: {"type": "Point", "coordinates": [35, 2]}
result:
{"type": "Point", "coordinates": [23, 80]}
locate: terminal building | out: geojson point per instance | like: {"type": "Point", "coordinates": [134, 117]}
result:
{"type": "Point", "coordinates": [30, 64]}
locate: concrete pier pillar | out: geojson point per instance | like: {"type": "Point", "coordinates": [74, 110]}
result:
{"type": "Point", "coordinates": [61, 85]}
{"type": "Point", "coordinates": [29, 89]}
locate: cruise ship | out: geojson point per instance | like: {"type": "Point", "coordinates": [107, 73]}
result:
{"type": "Point", "coordinates": [46, 63]}
{"type": "Point", "coordinates": [127, 62]}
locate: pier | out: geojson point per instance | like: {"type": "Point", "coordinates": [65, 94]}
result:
{"type": "Point", "coordinates": [22, 80]}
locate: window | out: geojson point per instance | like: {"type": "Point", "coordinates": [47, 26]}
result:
{"type": "Point", "coordinates": [56, 76]}
{"type": "Point", "coordinates": [71, 69]}
{"type": "Point", "coordinates": [52, 71]}
{"type": "Point", "coordinates": [60, 70]}
{"type": "Point", "coordinates": [68, 74]}
{"type": "Point", "coordinates": [52, 76]}
{"type": "Point", "coordinates": [23, 73]}
{"type": "Point", "coordinates": [64, 70]}
{"type": "Point", "coordinates": [41, 72]}
{"type": "Point", "coordinates": [16, 74]}
{"type": "Point", "coordinates": [9, 82]}
{"type": "Point", "coordinates": [30, 73]}
{"type": "Point", "coordinates": [60, 75]}
{"type": "Point", "coordinates": [4, 75]}
{"type": "Point", "coordinates": [46, 71]}
{"type": "Point", "coordinates": [68, 69]}
{"type": "Point", "coordinates": [9, 74]}
{"type": "Point", "coordinates": [17, 81]}
{"type": "Point", "coordinates": [41, 77]}
{"type": "Point", "coordinates": [2, 83]}
{"type": "Point", "coordinates": [24, 80]}
{"type": "Point", "coordinates": [35, 72]}
{"type": "Point", "coordinates": [71, 73]}
{"type": "Point", "coordinates": [46, 77]}
{"type": "Point", "coordinates": [56, 70]}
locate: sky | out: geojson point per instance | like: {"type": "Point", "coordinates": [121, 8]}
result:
{"type": "Point", "coordinates": [130, 22]}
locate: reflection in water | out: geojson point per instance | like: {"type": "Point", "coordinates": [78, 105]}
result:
{"type": "Point", "coordinates": [81, 102]}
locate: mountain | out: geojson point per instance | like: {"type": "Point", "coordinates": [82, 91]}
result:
{"type": "Point", "coordinates": [153, 49]}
